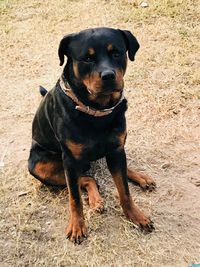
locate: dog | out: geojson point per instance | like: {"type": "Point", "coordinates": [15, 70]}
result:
{"type": "Point", "coordinates": [82, 119]}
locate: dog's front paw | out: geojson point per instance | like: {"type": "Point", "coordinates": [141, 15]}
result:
{"type": "Point", "coordinates": [76, 231]}
{"type": "Point", "coordinates": [139, 219]}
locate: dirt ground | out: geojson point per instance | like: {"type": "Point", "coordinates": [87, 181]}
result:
{"type": "Point", "coordinates": [162, 87]}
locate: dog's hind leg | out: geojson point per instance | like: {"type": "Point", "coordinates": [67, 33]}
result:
{"type": "Point", "coordinates": [46, 166]}
{"type": "Point", "coordinates": [145, 182]}
{"type": "Point", "coordinates": [90, 185]}
{"type": "Point", "coordinates": [49, 173]}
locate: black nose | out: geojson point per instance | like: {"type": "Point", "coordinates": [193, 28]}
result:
{"type": "Point", "coordinates": [108, 75]}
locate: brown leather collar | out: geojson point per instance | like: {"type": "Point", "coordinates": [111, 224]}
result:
{"type": "Point", "coordinates": [81, 107]}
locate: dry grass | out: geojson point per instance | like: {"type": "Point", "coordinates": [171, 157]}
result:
{"type": "Point", "coordinates": [162, 87]}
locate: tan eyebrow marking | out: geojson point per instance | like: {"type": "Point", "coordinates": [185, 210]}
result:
{"type": "Point", "coordinates": [91, 51]}
{"type": "Point", "coordinates": [110, 47]}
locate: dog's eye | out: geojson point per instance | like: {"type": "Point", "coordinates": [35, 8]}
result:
{"type": "Point", "coordinates": [116, 55]}
{"type": "Point", "coordinates": [89, 59]}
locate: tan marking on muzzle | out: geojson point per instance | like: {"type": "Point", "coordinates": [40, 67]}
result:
{"type": "Point", "coordinates": [93, 82]}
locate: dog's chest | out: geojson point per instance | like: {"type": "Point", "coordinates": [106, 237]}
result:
{"type": "Point", "coordinates": [93, 146]}
{"type": "Point", "coordinates": [98, 145]}
{"type": "Point", "coordinates": [95, 149]}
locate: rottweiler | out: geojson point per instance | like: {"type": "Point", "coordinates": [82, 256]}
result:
{"type": "Point", "coordinates": [82, 119]}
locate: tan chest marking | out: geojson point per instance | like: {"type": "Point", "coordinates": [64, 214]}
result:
{"type": "Point", "coordinates": [75, 148]}
{"type": "Point", "coordinates": [122, 139]}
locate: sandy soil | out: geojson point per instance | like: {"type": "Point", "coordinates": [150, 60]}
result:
{"type": "Point", "coordinates": [162, 87]}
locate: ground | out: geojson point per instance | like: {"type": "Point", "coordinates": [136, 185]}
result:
{"type": "Point", "coordinates": [162, 87]}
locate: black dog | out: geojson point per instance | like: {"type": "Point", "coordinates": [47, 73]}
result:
{"type": "Point", "coordinates": [82, 119]}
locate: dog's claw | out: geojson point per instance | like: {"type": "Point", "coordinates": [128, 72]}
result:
{"type": "Point", "coordinates": [149, 187]}
{"type": "Point", "coordinates": [148, 228]}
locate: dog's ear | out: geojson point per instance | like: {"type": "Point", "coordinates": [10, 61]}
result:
{"type": "Point", "coordinates": [63, 49]}
{"type": "Point", "coordinates": [132, 44]}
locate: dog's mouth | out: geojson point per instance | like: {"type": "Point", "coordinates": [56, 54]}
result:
{"type": "Point", "coordinates": [110, 92]}
{"type": "Point", "coordinates": [106, 90]}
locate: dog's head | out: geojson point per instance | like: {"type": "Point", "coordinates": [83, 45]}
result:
{"type": "Point", "coordinates": [99, 57]}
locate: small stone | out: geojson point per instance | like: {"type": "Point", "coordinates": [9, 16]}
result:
{"type": "Point", "coordinates": [23, 193]}
{"type": "Point", "coordinates": [1, 164]}
{"type": "Point", "coordinates": [166, 166]}
{"type": "Point", "coordinates": [144, 4]}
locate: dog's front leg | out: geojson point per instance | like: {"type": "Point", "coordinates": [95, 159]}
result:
{"type": "Point", "coordinates": [117, 165]}
{"type": "Point", "coordinates": [76, 230]}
